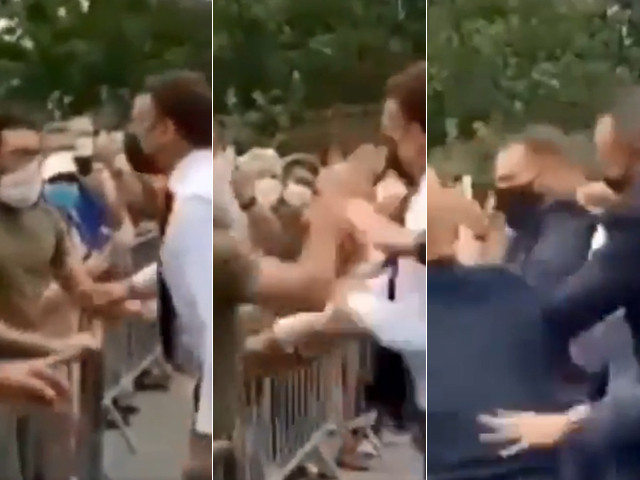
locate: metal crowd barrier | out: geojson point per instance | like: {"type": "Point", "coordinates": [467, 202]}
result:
{"type": "Point", "coordinates": [288, 418]}
{"type": "Point", "coordinates": [98, 378]}
{"type": "Point", "coordinates": [79, 428]}
{"type": "Point", "coordinates": [130, 347]}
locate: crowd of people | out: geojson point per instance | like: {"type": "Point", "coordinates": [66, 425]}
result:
{"type": "Point", "coordinates": [269, 262]}
{"type": "Point", "coordinates": [287, 266]}
{"type": "Point", "coordinates": [532, 359]}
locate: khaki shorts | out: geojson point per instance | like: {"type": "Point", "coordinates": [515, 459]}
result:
{"type": "Point", "coordinates": [34, 446]}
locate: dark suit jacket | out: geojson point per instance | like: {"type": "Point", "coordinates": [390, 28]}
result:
{"type": "Point", "coordinates": [486, 350]}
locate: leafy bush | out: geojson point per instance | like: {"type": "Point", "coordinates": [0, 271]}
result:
{"type": "Point", "coordinates": [524, 61]}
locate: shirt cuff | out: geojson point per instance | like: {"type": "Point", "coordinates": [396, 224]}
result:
{"type": "Point", "coordinates": [145, 279]}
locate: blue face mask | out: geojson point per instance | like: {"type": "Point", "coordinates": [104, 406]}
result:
{"type": "Point", "coordinates": [62, 195]}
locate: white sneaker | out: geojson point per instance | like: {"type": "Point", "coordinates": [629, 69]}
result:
{"type": "Point", "coordinates": [368, 449]}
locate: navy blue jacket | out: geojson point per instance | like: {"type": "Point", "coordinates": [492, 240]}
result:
{"type": "Point", "coordinates": [552, 245]}
{"type": "Point", "coordinates": [486, 349]}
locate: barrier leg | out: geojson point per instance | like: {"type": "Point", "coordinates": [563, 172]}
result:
{"type": "Point", "coordinates": [91, 467]}
{"type": "Point", "coordinates": [128, 437]}
{"type": "Point", "coordinates": [313, 453]}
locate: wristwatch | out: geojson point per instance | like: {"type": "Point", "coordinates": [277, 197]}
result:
{"type": "Point", "coordinates": [577, 414]}
{"type": "Point", "coordinates": [249, 203]}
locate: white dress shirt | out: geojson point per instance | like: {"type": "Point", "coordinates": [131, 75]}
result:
{"type": "Point", "coordinates": [401, 324]}
{"type": "Point", "coordinates": [187, 264]}
{"type": "Point", "coordinates": [598, 240]}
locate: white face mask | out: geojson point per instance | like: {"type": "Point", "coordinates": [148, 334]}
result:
{"type": "Point", "coordinates": [297, 195]}
{"type": "Point", "coordinates": [21, 189]}
{"type": "Point", "coordinates": [267, 191]}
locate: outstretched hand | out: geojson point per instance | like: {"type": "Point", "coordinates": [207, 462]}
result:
{"type": "Point", "coordinates": [519, 431]}
{"type": "Point", "coordinates": [33, 382]}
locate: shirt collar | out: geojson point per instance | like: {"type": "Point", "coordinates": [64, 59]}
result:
{"type": "Point", "coordinates": [193, 174]}
{"type": "Point", "coordinates": [416, 215]}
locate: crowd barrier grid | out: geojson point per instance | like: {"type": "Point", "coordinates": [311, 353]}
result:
{"type": "Point", "coordinates": [288, 418]}
{"type": "Point", "coordinates": [130, 347]}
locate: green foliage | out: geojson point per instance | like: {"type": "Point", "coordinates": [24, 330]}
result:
{"type": "Point", "coordinates": [272, 59]}
{"type": "Point", "coordinates": [275, 59]}
{"type": "Point", "coordinates": [72, 56]}
{"type": "Point", "coordinates": [525, 61]}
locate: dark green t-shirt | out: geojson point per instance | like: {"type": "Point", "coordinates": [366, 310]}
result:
{"type": "Point", "coordinates": [33, 247]}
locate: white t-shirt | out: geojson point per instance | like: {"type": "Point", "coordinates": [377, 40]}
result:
{"type": "Point", "coordinates": [401, 324]}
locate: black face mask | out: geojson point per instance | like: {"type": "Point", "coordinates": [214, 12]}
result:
{"type": "Point", "coordinates": [84, 165]}
{"type": "Point", "coordinates": [519, 205]}
{"type": "Point", "coordinates": [140, 161]}
{"type": "Point", "coordinates": [617, 184]}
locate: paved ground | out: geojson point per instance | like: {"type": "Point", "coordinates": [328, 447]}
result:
{"type": "Point", "coordinates": [160, 431]}
{"type": "Point", "coordinates": [161, 434]}
{"type": "Point", "coordinates": [398, 462]}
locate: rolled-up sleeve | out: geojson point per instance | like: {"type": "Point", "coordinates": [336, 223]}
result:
{"type": "Point", "coordinates": [399, 325]}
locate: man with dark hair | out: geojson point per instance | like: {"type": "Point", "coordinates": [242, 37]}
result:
{"type": "Point", "coordinates": [536, 177]}
{"type": "Point", "coordinates": [181, 104]}
{"type": "Point", "coordinates": [404, 120]}
{"type": "Point", "coordinates": [204, 267]}
{"type": "Point", "coordinates": [171, 119]}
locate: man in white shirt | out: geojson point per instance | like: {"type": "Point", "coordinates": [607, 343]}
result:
{"type": "Point", "coordinates": [401, 324]}
{"type": "Point", "coordinates": [209, 271]}
{"type": "Point", "coordinates": [173, 120]}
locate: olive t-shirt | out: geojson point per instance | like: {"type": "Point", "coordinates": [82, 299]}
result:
{"type": "Point", "coordinates": [33, 246]}
{"type": "Point", "coordinates": [234, 273]}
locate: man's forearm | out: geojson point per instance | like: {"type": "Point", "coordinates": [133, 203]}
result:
{"type": "Point", "coordinates": [18, 343]}
{"type": "Point", "coordinates": [316, 272]}
{"type": "Point", "coordinates": [320, 254]}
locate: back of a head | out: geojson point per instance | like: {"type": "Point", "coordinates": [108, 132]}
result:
{"type": "Point", "coordinates": [184, 97]}
{"type": "Point", "coordinates": [307, 161]}
{"type": "Point", "coordinates": [408, 89]}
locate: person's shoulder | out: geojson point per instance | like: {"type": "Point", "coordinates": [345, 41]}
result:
{"type": "Point", "coordinates": [507, 292]}
{"type": "Point", "coordinates": [497, 274]}
{"type": "Point", "coordinates": [480, 273]}
{"type": "Point", "coordinates": [486, 281]}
